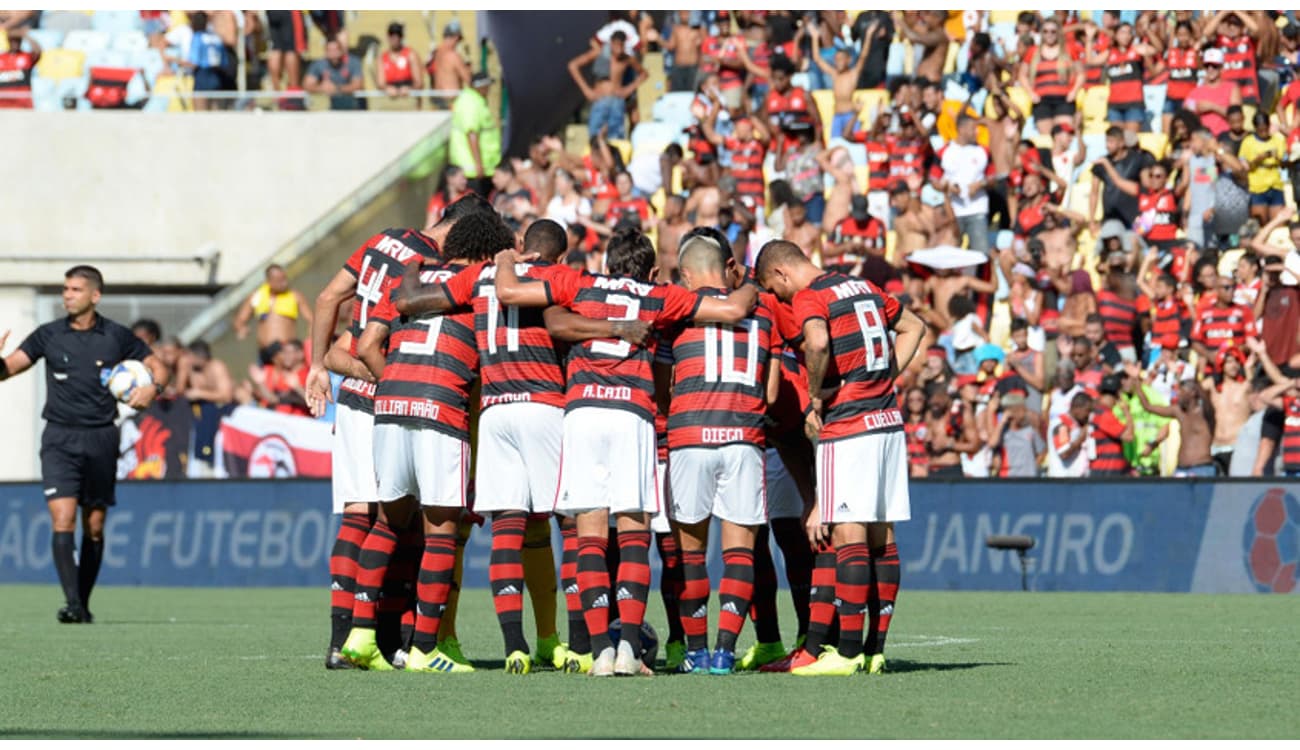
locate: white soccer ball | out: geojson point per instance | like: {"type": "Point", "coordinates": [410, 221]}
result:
{"type": "Point", "coordinates": [125, 377]}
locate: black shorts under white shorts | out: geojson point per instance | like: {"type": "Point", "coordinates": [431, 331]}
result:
{"type": "Point", "coordinates": [80, 462]}
{"type": "Point", "coordinates": [1051, 107]}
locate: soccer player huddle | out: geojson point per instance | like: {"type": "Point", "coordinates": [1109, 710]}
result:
{"type": "Point", "coordinates": [631, 411]}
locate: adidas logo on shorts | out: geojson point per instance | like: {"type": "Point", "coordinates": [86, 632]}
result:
{"type": "Point", "coordinates": [844, 507]}
{"type": "Point", "coordinates": [624, 594]}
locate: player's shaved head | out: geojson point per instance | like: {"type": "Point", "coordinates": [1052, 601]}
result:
{"type": "Point", "coordinates": [546, 238]}
{"type": "Point", "coordinates": [477, 236]}
{"type": "Point", "coordinates": [702, 255]}
{"type": "Point", "coordinates": [630, 253]}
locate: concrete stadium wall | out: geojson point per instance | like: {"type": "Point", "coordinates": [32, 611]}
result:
{"type": "Point", "coordinates": [1236, 536]}
{"type": "Point", "coordinates": [113, 185]}
{"type": "Point", "coordinates": [19, 396]}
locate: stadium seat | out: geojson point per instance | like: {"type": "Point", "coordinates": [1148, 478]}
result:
{"type": "Point", "coordinates": [108, 58]}
{"type": "Point", "coordinates": [1154, 99]}
{"type": "Point", "coordinates": [1093, 105]}
{"type": "Point", "coordinates": [86, 40]}
{"type": "Point", "coordinates": [161, 101]}
{"type": "Point", "coordinates": [624, 149]}
{"type": "Point", "coordinates": [58, 64]}
{"type": "Point", "coordinates": [1004, 16]}
{"type": "Point", "coordinates": [117, 20]}
{"type": "Point", "coordinates": [149, 61]}
{"type": "Point", "coordinates": [1153, 143]}
{"type": "Point", "coordinates": [129, 41]}
{"type": "Point", "coordinates": [870, 102]}
{"type": "Point", "coordinates": [825, 101]}
{"type": "Point", "coordinates": [659, 134]}
{"type": "Point", "coordinates": [47, 38]}
{"type": "Point", "coordinates": [64, 21]}
{"type": "Point", "coordinates": [674, 108]}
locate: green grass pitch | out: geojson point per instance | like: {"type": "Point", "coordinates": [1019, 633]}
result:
{"type": "Point", "coordinates": [189, 663]}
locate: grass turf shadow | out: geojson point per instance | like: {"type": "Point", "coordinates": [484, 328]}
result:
{"type": "Point", "coordinates": [129, 734]}
{"type": "Point", "coordinates": [903, 666]}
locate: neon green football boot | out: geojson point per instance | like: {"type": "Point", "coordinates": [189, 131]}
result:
{"type": "Point", "coordinates": [434, 661]}
{"type": "Point", "coordinates": [831, 664]}
{"type": "Point", "coordinates": [550, 651]}
{"type": "Point", "coordinates": [519, 662]}
{"type": "Point", "coordinates": [450, 648]}
{"type": "Point", "coordinates": [361, 649]}
{"type": "Point", "coordinates": [760, 654]}
{"type": "Point", "coordinates": [674, 655]}
{"type": "Point", "coordinates": [877, 664]}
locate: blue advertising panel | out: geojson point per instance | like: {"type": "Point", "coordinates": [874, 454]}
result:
{"type": "Point", "coordinates": [1234, 536]}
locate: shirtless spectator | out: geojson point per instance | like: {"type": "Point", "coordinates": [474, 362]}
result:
{"type": "Point", "coordinates": [1195, 416]}
{"type": "Point", "coordinates": [608, 95]}
{"type": "Point", "coordinates": [447, 67]}
{"type": "Point", "coordinates": [800, 231]}
{"type": "Point", "coordinates": [950, 430]}
{"type": "Point", "coordinates": [148, 331]}
{"type": "Point", "coordinates": [844, 78]}
{"type": "Point", "coordinates": [672, 225]}
{"type": "Point", "coordinates": [1229, 394]}
{"type": "Point", "coordinates": [917, 225]}
{"type": "Point", "coordinates": [277, 308]}
{"type": "Point", "coordinates": [200, 378]}
{"type": "Point", "coordinates": [926, 28]}
{"type": "Point", "coordinates": [684, 44]}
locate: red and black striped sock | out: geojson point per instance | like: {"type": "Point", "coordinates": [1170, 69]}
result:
{"type": "Point", "coordinates": [671, 583]}
{"type": "Point", "coordinates": [734, 592]}
{"type": "Point", "coordinates": [798, 556]}
{"type": "Point", "coordinates": [852, 569]}
{"type": "Point", "coordinates": [593, 586]}
{"type": "Point", "coordinates": [579, 640]}
{"type": "Point", "coordinates": [767, 625]}
{"type": "Point", "coordinates": [880, 600]}
{"type": "Point", "coordinates": [633, 583]}
{"type": "Point", "coordinates": [695, 599]}
{"type": "Point", "coordinates": [343, 573]}
{"type": "Point", "coordinates": [434, 586]}
{"type": "Point", "coordinates": [506, 576]}
{"type": "Point", "coordinates": [372, 566]}
{"type": "Point", "coordinates": [821, 601]}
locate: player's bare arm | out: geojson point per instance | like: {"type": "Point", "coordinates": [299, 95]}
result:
{"type": "Point", "coordinates": [910, 329]}
{"type": "Point", "coordinates": [338, 360]}
{"type": "Point", "coordinates": [511, 291]}
{"type": "Point", "coordinates": [413, 297]}
{"type": "Point", "coordinates": [817, 357]}
{"type": "Point", "coordinates": [730, 311]}
{"type": "Point", "coordinates": [371, 348]}
{"type": "Point", "coordinates": [572, 327]}
{"type": "Point", "coordinates": [338, 291]}
{"type": "Point", "coordinates": [773, 390]}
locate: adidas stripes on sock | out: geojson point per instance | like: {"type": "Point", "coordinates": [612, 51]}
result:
{"type": "Point", "coordinates": [506, 575]}
{"type": "Point", "coordinates": [852, 569]}
{"type": "Point", "coordinates": [734, 592]}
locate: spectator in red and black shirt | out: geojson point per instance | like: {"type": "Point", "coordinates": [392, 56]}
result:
{"type": "Point", "coordinates": [748, 148]}
{"type": "Point", "coordinates": [16, 66]}
{"type": "Point", "coordinates": [1125, 64]}
{"type": "Point", "coordinates": [1169, 315]}
{"type": "Point", "coordinates": [1120, 308]}
{"type": "Point", "coordinates": [1109, 432]}
{"type": "Point", "coordinates": [1223, 324]}
{"type": "Point", "coordinates": [1232, 33]}
{"type": "Point", "coordinates": [856, 236]}
{"type": "Point", "coordinates": [627, 202]}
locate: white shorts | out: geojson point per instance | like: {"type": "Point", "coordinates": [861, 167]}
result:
{"type": "Point", "coordinates": [726, 482]}
{"type": "Point", "coordinates": [607, 463]}
{"type": "Point", "coordinates": [430, 465]}
{"type": "Point", "coordinates": [783, 499]}
{"type": "Point", "coordinates": [659, 522]}
{"type": "Point", "coordinates": [353, 472]}
{"type": "Point", "coordinates": [518, 458]}
{"type": "Point", "coordinates": [863, 479]}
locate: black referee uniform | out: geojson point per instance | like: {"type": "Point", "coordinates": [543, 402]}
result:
{"type": "Point", "coordinates": [79, 446]}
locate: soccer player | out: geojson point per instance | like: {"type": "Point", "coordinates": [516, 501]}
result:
{"type": "Point", "coordinates": [846, 325]}
{"type": "Point", "coordinates": [421, 436]}
{"type": "Point", "coordinates": [79, 446]}
{"type": "Point", "coordinates": [715, 460]}
{"type": "Point", "coordinates": [366, 279]}
{"type": "Point", "coordinates": [520, 426]}
{"type": "Point", "coordinates": [609, 440]}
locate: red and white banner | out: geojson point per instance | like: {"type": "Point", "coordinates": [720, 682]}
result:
{"type": "Point", "coordinates": [257, 443]}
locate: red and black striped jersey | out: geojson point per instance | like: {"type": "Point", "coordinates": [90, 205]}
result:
{"type": "Point", "coordinates": [1167, 321]}
{"type": "Point", "coordinates": [1053, 77]}
{"type": "Point", "coordinates": [918, 448]}
{"type": "Point", "coordinates": [517, 357]}
{"type": "Point", "coordinates": [1291, 434]}
{"type": "Point", "coordinates": [620, 206]}
{"type": "Point", "coordinates": [1108, 448]}
{"type": "Point", "coordinates": [909, 157]}
{"type": "Point", "coordinates": [432, 360]}
{"type": "Point", "coordinates": [1118, 316]}
{"type": "Point", "coordinates": [859, 317]}
{"type": "Point", "coordinates": [16, 69]}
{"type": "Point", "coordinates": [378, 266]}
{"type": "Point", "coordinates": [878, 158]}
{"type": "Point", "coordinates": [787, 413]}
{"type": "Point", "coordinates": [1125, 71]}
{"type": "Point", "coordinates": [612, 373]}
{"type": "Point", "coordinates": [747, 166]}
{"type": "Point", "coordinates": [1239, 65]}
{"type": "Point", "coordinates": [1217, 327]}
{"type": "Point", "coordinates": [720, 381]}
{"type": "Point", "coordinates": [1158, 215]}
{"type": "Point", "coordinates": [1182, 65]}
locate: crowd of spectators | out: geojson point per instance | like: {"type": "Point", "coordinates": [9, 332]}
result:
{"type": "Point", "coordinates": [1103, 277]}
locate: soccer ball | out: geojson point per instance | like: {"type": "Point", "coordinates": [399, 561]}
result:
{"type": "Point", "coordinates": [124, 377]}
{"type": "Point", "coordinates": [1272, 542]}
{"type": "Point", "coordinates": [649, 641]}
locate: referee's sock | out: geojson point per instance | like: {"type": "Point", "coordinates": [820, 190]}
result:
{"type": "Point", "coordinates": [63, 546]}
{"type": "Point", "coordinates": [92, 554]}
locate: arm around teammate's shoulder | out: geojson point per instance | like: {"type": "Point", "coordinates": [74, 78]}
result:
{"type": "Point", "coordinates": [736, 307]}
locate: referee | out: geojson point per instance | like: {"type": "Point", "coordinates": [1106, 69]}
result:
{"type": "Point", "coordinates": [80, 444]}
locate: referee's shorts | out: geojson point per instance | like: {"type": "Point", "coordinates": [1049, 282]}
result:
{"type": "Point", "coordinates": [80, 462]}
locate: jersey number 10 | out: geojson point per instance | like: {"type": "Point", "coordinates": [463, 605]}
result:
{"type": "Point", "coordinates": [720, 354]}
